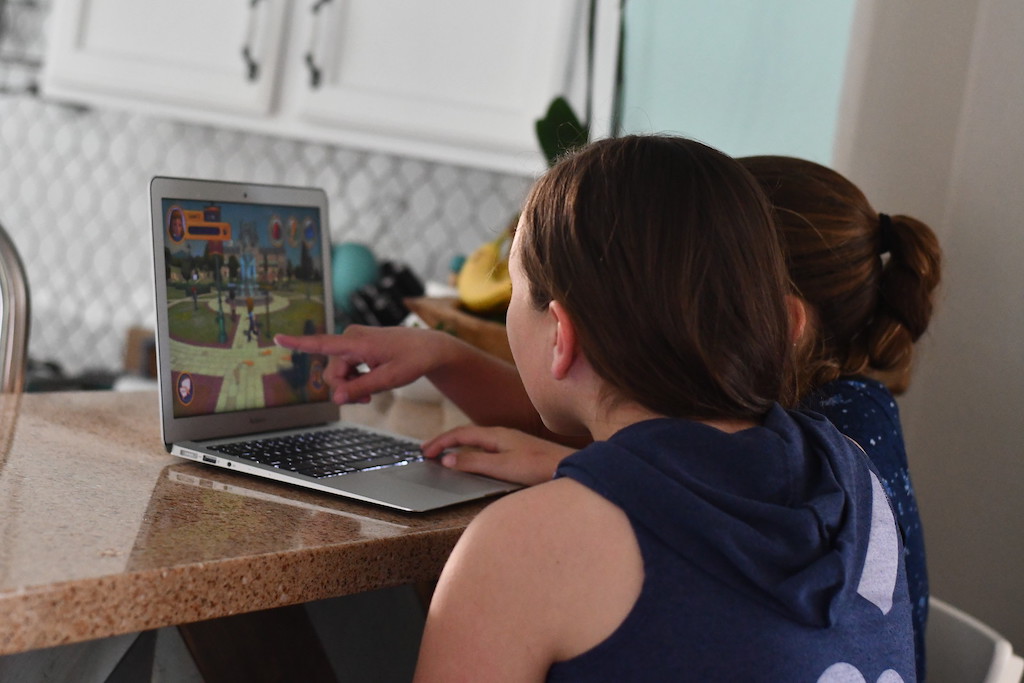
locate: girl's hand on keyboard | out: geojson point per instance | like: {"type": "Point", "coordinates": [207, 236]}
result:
{"type": "Point", "coordinates": [507, 454]}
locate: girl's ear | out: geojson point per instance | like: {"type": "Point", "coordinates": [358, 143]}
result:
{"type": "Point", "coordinates": [565, 349]}
{"type": "Point", "coordinates": [798, 316]}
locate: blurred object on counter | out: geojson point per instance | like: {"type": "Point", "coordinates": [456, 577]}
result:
{"type": "Point", "coordinates": [483, 281]}
{"type": "Point", "coordinates": [368, 291]}
{"type": "Point", "coordinates": [140, 352]}
{"type": "Point", "coordinates": [444, 314]}
{"type": "Point", "coordinates": [140, 368]}
{"type": "Point", "coordinates": [454, 266]}
{"type": "Point", "coordinates": [49, 376]}
{"type": "Point", "coordinates": [381, 303]}
{"type": "Point", "coordinates": [353, 266]}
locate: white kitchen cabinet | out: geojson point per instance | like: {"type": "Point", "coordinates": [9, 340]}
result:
{"type": "Point", "coordinates": [182, 53]}
{"type": "Point", "coordinates": [460, 81]}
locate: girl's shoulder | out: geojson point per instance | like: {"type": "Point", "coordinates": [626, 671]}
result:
{"type": "Point", "coordinates": [547, 573]}
{"type": "Point", "coordinates": [558, 519]}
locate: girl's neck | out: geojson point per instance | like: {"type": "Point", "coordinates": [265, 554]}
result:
{"type": "Point", "coordinates": [617, 418]}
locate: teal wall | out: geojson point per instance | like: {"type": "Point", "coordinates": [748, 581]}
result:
{"type": "Point", "coordinates": [746, 76]}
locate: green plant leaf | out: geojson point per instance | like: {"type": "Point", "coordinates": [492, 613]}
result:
{"type": "Point", "coordinates": [560, 130]}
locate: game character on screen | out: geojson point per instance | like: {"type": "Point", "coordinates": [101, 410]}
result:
{"type": "Point", "coordinates": [176, 225]}
{"type": "Point", "coordinates": [254, 327]}
{"type": "Point", "coordinates": [185, 389]}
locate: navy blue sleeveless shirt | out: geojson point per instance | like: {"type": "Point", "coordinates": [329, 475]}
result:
{"type": "Point", "coordinates": [771, 554]}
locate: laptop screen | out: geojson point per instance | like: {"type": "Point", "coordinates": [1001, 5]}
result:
{"type": "Point", "coordinates": [237, 274]}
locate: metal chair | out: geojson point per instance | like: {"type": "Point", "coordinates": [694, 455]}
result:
{"type": "Point", "coordinates": [14, 317]}
{"type": "Point", "coordinates": [961, 649]}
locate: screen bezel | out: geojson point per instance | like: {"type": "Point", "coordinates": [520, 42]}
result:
{"type": "Point", "coordinates": [176, 429]}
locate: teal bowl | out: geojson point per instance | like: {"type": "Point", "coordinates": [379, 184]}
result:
{"type": "Point", "coordinates": [353, 266]}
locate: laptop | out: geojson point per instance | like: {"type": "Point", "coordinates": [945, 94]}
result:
{"type": "Point", "coordinates": [235, 264]}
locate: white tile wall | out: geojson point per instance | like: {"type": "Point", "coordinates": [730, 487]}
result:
{"type": "Point", "coordinates": [73, 196]}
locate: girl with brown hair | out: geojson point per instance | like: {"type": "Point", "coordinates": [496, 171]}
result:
{"type": "Point", "coordinates": [868, 281]}
{"type": "Point", "coordinates": [705, 533]}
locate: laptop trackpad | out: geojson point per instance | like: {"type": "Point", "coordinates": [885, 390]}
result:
{"type": "Point", "coordinates": [419, 486]}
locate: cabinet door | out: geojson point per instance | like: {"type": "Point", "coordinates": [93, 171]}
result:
{"type": "Point", "coordinates": [462, 76]}
{"type": "Point", "coordinates": [194, 54]}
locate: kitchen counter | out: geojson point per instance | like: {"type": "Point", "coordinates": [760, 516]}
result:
{"type": "Point", "coordinates": [102, 532]}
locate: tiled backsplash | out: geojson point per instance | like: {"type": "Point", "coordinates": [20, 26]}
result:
{"type": "Point", "coordinates": [74, 197]}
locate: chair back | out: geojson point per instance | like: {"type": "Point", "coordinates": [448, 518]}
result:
{"type": "Point", "coordinates": [961, 649]}
{"type": "Point", "coordinates": [14, 317]}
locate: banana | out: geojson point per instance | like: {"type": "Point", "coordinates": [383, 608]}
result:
{"type": "Point", "coordinates": [483, 282]}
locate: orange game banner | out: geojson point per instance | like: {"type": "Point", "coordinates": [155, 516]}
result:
{"type": "Point", "coordinates": [198, 228]}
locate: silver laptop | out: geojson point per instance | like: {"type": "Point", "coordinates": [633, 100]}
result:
{"type": "Point", "coordinates": [234, 265]}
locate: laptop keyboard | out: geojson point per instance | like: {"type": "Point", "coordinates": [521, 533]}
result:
{"type": "Point", "coordinates": [327, 453]}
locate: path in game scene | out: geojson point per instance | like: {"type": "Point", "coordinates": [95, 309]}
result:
{"type": "Point", "coordinates": [243, 366]}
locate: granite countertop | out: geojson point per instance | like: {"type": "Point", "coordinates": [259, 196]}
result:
{"type": "Point", "coordinates": [102, 532]}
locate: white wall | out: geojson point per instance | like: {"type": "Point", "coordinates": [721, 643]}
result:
{"type": "Point", "coordinates": [933, 126]}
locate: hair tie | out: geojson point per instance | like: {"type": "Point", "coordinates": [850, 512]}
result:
{"type": "Point", "coordinates": [885, 234]}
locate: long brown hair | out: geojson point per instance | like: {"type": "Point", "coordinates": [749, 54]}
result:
{"type": "Point", "coordinates": [869, 277]}
{"type": "Point", "coordinates": [663, 252]}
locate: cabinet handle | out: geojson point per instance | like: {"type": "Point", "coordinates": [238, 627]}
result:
{"type": "Point", "coordinates": [315, 70]}
{"type": "Point", "coordinates": [252, 67]}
